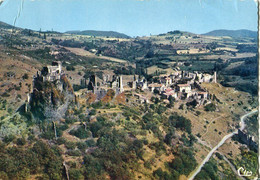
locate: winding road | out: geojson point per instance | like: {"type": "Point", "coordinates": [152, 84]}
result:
{"type": "Point", "coordinates": [242, 126]}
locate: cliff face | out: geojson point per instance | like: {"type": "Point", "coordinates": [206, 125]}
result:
{"type": "Point", "coordinates": [50, 99]}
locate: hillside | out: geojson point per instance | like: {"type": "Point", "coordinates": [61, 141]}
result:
{"type": "Point", "coordinates": [233, 33]}
{"type": "Point", "coordinates": [4, 25]}
{"type": "Point", "coordinates": [99, 33]}
{"type": "Point", "coordinates": [78, 116]}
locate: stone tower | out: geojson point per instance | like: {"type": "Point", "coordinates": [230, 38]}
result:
{"type": "Point", "coordinates": [121, 84]}
{"type": "Point", "coordinates": [215, 77]}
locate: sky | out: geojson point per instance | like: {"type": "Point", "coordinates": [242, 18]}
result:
{"type": "Point", "coordinates": [132, 17]}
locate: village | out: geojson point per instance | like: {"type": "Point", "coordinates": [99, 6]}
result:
{"type": "Point", "coordinates": [180, 85]}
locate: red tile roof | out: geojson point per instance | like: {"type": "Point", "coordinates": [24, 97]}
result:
{"type": "Point", "coordinates": [183, 85]}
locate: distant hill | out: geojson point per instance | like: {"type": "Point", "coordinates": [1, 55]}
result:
{"type": "Point", "coordinates": [233, 33]}
{"type": "Point", "coordinates": [6, 26]}
{"type": "Point", "coordinates": [99, 33]}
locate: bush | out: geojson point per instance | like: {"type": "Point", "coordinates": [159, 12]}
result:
{"type": "Point", "coordinates": [80, 133]}
{"type": "Point", "coordinates": [8, 139]}
{"type": "Point", "coordinates": [61, 140]}
{"type": "Point", "coordinates": [219, 156]}
{"type": "Point", "coordinates": [192, 104]}
{"type": "Point", "coordinates": [74, 153]}
{"type": "Point", "coordinates": [70, 145]}
{"type": "Point", "coordinates": [91, 143]}
{"type": "Point", "coordinates": [25, 76]}
{"type": "Point", "coordinates": [75, 174]}
{"type": "Point", "coordinates": [21, 141]}
{"type": "Point", "coordinates": [97, 105]}
{"type": "Point", "coordinates": [210, 107]}
{"type": "Point", "coordinates": [70, 68]}
{"type": "Point", "coordinates": [93, 112]}
{"type": "Point", "coordinates": [81, 145]}
{"type": "Point", "coordinates": [198, 113]}
{"type": "Point", "coordinates": [180, 122]}
{"type": "Point", "coordinates": [48, 135]}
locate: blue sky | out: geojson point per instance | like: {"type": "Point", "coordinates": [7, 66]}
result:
{"type": "Point", "coordinates": [132, 17]}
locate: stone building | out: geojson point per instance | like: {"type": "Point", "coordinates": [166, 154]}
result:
{"type": "Point", "coordinates": [156, 86]}
{"type": "Point", "coordinates": [53, 72]}
{"type": "Point", "coordinates": [117, 84]}
{"type": "Point", "coordinates": [184, 88]}
{"type": "Point", "coordinates": [169, 92]}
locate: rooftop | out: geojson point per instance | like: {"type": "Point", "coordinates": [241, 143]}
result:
{"type": "Point", "coordinates": [155, 85]}
{"type": "Point", "coordinates": [168, 90]}
{"type": "Point", "coordinates": [202, 92]}
{"type": "Point", "coordinates": [183, 85]}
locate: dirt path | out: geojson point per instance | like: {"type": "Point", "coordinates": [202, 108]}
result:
{"type": "Point", "coordinates": [210, 124]}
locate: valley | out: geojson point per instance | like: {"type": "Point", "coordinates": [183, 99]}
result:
{"type": "Point", "coordinates": [110, 106]}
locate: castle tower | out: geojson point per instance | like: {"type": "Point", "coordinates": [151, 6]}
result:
{"type": "Point", "coordinates": [134, 84]}
{"type": "Point", "coordinates": [93, 79]}
{"type": "Point", "coordinates": [59, 66]}
{"type": "Point", "coordinates": [215, 77]}
{"type": "Point", "coordinates": [121, 84]}
{"type": "Point", "coordinates": [28, 98]}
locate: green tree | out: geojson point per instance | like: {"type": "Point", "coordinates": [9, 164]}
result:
{"type": "Point", "coordinates": [210, 107]}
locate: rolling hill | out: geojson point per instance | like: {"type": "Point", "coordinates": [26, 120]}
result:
{"type": "Point", "coordinates": [4, 25]}
{"type": "Point", "coordinates": [99, 33]}
{"type": "Point", "coordinates": [233, 33]}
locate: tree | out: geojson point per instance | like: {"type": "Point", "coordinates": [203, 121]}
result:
{"type": "Point", "coordinates": [193, 103]}
{"type": "Point", "coordinates": [210, 107]}
{"type": "Point", "coordinates": [75, 174]}
{"type": "Point", "coordinates": [171, 101]}
{"type": "Point", "coordinates": [25, 76]}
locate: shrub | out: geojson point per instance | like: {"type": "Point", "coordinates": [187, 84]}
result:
{"type": "Point", "coordinates": [81, 145]}
{"type": "Point", "coordinates": [210, 107]}
{"type": "Point", "coordinates": [74, 153]}
{"type": "Point", "coordinates": [25, 76]}
{"type": "Point", "coordinates": [61, 140]}
{"type": "Point", "coordinates": [70, 145]}
{"type": "Point", "coordinates": [80, 133]}
{"type": "Point", "coordinates": [91, 143]}
{"type": "Point", "coordinates": [8, 138]}
{"type": "Point", "coordinates": [21, 141]}
{"type": "Point", "coordinates": [75, 174]}
{"type": "Point", "coordinates": [219, 156]}
{"type": "Point", "coordinates": [93, 112]}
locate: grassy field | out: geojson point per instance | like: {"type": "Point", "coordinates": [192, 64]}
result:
{"type": "Point", "coordinates": [82, 52]}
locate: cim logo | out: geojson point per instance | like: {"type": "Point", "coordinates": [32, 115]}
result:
{"type": "Point", "coordinates": [243, 172]}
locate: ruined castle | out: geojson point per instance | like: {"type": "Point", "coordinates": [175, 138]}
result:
{"type": "Point", "coordinates": [248, 140]}
{"type": "Point", "coordinates": [51, 92]}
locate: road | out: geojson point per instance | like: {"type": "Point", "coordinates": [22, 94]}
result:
{"type": "Point", "coordinates": [242, 126]}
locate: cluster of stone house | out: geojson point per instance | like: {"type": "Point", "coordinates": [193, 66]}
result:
{"type": "Point", "coordinates": [183, 85]}
{"type": "Point", "coordinates": [180, 84]}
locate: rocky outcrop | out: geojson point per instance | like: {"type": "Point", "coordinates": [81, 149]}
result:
{"type": "Point", "coordinates": [50, 98]}
{"type": "Point", "coordinates": [248, 140]}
